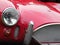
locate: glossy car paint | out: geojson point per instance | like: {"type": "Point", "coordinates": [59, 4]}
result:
{"type": "Point", "coordinates": [29, 10]}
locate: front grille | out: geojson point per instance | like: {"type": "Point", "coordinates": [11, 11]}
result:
{"type": "Point", "coordinates": [50, 33]}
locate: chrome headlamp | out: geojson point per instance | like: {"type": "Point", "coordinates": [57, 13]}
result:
{"type": "Point", "coordinates": [10, 16]}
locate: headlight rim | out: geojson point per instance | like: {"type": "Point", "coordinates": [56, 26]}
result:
{"type": "Point", "coordinates": [2, 17]}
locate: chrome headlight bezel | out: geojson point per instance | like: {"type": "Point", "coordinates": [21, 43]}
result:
{"type": "Point", "coordinates": [10, 14]}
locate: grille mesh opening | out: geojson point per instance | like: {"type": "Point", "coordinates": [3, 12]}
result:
{"type": "Point", "coordinates": [50, 33]}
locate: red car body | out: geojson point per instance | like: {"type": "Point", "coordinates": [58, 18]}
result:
{"type": "Point", "coordinates": [29, 10]}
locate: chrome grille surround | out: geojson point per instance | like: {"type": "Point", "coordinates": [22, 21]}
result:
{"type": "Point", "coordinates": [47, 33]}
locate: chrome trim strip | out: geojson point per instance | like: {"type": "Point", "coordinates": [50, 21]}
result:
{"type": "Point", "coordinates": [44, 26]}
{"type": "Point", "coordinates": [29, 33]}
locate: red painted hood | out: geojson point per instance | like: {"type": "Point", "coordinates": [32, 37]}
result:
{"type": "Point", "coordinates": [31, 10]}
{"type": "Point", "coordinates": [40, 13]}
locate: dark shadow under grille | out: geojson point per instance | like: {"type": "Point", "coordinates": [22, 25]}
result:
{"type": "Point", "coordinates": [50, 1]}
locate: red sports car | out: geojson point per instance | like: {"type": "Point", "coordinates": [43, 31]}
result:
{"type": "Point", "coordinates": [21, 20]}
